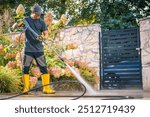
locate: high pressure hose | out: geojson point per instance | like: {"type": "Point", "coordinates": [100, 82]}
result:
{"type": "Point", "coordinates": [39, 87]}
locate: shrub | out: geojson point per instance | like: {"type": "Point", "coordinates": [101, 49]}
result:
{"type": "Point", "coordinates": [86, 72]}
{"type": "Point", "coordinates": [4, 40]}
{"type": "Point", "coordinates": [10, 80]}
{"type": "Point", "coordinates": [61, 74]}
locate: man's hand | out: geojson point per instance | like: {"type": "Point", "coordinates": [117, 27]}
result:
{"type": "Point", "coordinates": [18, 24]}
{"type": "Point", "coordinates": [40, 38]}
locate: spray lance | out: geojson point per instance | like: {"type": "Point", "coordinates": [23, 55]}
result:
{"type": "Point", "coordinates": [79, 78]}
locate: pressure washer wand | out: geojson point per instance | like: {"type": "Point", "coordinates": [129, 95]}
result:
{"type": "Point", "coordinates": [79, 78]}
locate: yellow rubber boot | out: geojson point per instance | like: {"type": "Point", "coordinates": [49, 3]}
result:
{"type": "Point", "coordinates": [26, 82]}
{"type": "Point", "coordinates": [45, 81]}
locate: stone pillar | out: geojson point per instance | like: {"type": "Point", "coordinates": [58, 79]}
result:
{"type": "Point", "coordinates": [145, 51]}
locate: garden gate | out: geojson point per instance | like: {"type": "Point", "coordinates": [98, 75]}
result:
{"type": "Point", "coordinates": [120, 59]}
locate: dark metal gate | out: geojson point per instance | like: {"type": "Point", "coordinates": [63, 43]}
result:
{"type": "Point", "coordinates": [120, 59]}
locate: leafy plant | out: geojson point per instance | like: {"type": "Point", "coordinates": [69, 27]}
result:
{"type": "Point", "coordinates": [62, 74]}
{"type": "Point", "coordinates": [4, 42]}
{"type": "Point", "coordinates": [86, 72]}
{"type": "Point", "coordinates": [10, 80]}
{"type": "Point", "coordinates": [7, 51]}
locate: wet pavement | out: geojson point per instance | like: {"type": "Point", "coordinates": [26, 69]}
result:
{"type": "Point", "coordinates": [101, 95]}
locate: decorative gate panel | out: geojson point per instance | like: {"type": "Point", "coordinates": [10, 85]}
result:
{"type": "Point", "coordinates": [120, 59]}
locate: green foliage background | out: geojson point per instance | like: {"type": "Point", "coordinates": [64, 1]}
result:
{"type": "Point", "coordinates": [110, 14]}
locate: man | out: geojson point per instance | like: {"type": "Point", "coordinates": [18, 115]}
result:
{"type": "Point", "coordinates": [34, 49]}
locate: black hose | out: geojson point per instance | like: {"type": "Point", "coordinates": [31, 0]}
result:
{"type": "Point", "coordinates": [19, 48]}
{"type": "Point", "coordinates": [106, 97]}
{"type": "Point", "coordinates": [39, 87]}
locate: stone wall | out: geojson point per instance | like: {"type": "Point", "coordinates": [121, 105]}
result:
{"type": "Point", "coordinates": [87, 39]}
{"type": "Point", "coordinates": [145, 51]}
